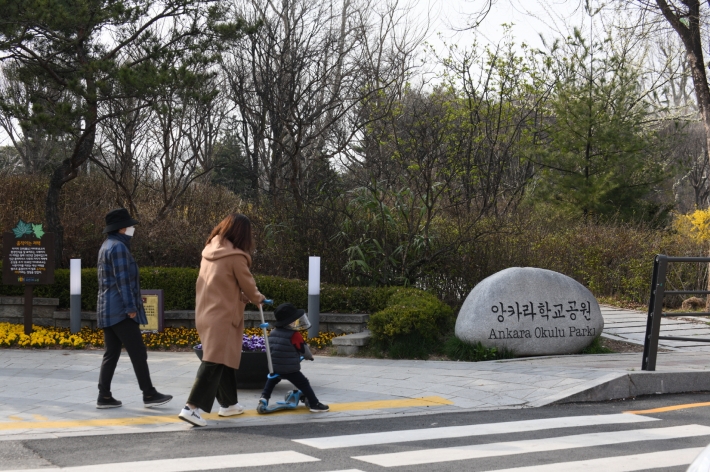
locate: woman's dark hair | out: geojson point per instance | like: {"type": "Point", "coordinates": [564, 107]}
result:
{"type": "Point", "coordinates": [237, 229]}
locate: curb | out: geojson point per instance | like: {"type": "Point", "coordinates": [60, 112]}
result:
{"type": "Point", "coordinates": [642, 383]}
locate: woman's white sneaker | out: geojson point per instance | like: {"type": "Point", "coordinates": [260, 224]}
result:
{"type": "Point", "coordinates": [192, 416]}
{"type": "Point", "coordinates": [233, 410]}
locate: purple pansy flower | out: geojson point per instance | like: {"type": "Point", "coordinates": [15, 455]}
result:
{"type": "Point", "coordinates": [253, 343]}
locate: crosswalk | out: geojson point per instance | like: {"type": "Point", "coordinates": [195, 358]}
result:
{"type": "Point", "coordinates": [391, 437]}
{"type": "Point", "coordinates": [635, 462]}
{"type": "Point", "coordinates": [459, 453]}
{"type": "Point", "coordinates": [409, 449]}
{"type": "Point", "coordinates": [189, 464]}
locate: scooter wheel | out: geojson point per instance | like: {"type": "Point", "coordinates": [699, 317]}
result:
{"type": "Point", "coordinates": [261, 408]}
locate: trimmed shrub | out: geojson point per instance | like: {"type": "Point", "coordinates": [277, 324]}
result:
{"type": "Point", "coordinates": [411, 317]}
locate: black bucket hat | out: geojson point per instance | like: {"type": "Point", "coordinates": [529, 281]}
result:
{"type": "Point", "coordinates": [286, 314]}
{"type": "Point", "coordinates": [117, 219]}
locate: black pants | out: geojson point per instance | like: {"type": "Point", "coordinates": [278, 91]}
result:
{"type": "Point", "coordinates": [298, 380]}
{"type": "Point", "coordinates": [127, 333]}
{"type": "Point", "coordinates": [214, 381]}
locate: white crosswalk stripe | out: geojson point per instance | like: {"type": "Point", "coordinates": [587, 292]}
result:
{"type": "Point", "coordinates": [636, 462]}
{"type": "Point", "coordinates": [391, 437]}
{"type": "Point", "coordinates": [448, 454]}
{"type": "Point", "coordinates": [652, 460]}
{"type": "Point", "coordinates": [187, 464]}
{"type": "Point", "coordinates": [648, 433]}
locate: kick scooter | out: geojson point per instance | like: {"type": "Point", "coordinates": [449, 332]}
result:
{"type": "Point", "coordinates": [293, 397]}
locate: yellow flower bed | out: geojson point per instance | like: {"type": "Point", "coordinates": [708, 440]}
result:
{"type": "Point", "coordinates": [322, 340]}
{"type": "Point", "coordinates": [13, 335]}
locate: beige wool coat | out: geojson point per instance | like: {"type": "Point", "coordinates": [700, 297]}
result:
{"type": "Point", "coordinates": [224, 286]}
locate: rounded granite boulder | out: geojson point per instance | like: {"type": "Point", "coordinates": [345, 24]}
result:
{"type": "Point", "coordinates": [530, 311]}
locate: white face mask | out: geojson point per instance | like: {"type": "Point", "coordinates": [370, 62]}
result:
{"type": "Point", "coordinates": [130, 231]}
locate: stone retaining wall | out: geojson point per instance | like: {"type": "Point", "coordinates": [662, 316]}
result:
{"type": "Point", "coordinates": [12, 310]}
{"type": "Point", "coordinates": [44, 313]}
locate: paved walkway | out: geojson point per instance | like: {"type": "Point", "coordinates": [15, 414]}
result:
{"type": "Point", "coordinates": [630, 326]}
{"type": "Point", "coordinates": [52, 393]}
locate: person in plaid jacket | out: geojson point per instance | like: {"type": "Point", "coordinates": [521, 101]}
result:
{"type": "Point", "coordinates": [119, 311]}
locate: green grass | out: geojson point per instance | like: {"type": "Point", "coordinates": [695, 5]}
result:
{"type": "Point", "coordinates": [597, 348]}
{"type": "Point", "coordinates": [459, 350]}
{"type": "Point", "coordinates": [410, 347]}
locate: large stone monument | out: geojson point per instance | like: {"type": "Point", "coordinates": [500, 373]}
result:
{"type": "Point", "coordinates": [533, 312]}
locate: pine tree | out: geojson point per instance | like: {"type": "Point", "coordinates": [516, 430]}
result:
{"type": "Point", "coordinates": [599, 156]}
{"type": "Point", "coordinates": [82, 54]}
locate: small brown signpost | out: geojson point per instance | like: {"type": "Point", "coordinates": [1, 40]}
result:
{"type": "Point", "coordinates": [153, 305]}
{"type": "Point", "coordinates": [28, 259]}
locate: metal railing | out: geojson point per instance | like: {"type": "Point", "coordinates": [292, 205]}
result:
{"type": "Point", "coordinates": [655, 308]}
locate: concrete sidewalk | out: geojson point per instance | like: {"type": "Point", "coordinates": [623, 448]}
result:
{"type": "Point", "coordinates": [52, 393]}
{"type": "Point", "coordinates": [46, 394]}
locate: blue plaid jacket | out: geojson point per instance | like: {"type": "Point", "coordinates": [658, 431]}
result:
{"type": "Point", "coordinates": [119, 285]}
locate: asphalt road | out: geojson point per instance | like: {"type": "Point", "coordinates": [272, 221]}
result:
{"type": "Point", "coordinates": [488, 441]}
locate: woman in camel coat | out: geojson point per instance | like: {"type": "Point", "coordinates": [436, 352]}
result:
{"type": "Point", "coordinates": [224, 286]}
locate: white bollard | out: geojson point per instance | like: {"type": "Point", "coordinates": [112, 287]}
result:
{"type": "Point", "coordinates": [75, 295]}
{"type": "Point", "coordinates": [314, 296]}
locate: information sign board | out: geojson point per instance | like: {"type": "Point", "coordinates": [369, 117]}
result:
{"type": "Point", "coordinates": [153, 305]}
{"type": "Point", "coordinates": [28, 258]}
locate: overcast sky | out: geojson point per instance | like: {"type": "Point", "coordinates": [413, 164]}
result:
{"type": "Point", "coordinates": [529, 17]}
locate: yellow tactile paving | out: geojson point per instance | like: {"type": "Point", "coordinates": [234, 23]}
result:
{"type": "Point", "coordinates": [19, 423]}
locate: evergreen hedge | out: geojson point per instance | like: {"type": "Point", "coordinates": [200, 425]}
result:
{"type": "Point", "coordinates": [178, 285]}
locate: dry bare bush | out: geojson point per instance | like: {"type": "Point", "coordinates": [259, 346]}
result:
{"type": "Point", "coordinates": [611, 259]}
{"type": "Point", "coordinates": [614, 260]}
{"type": "Point", "coordinates": [176, 240]}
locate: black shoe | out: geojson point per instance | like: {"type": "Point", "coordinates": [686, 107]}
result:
{"type": "Point", "coordinates": [156, 399]}
{"type": "Point", "coordinates": [107, 402]}
{"type": "Point", "coordinates": [319, 408]}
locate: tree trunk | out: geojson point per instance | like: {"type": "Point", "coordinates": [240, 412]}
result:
{"type": "Point", "coordinates": [51, 213]}
{"type": "Point", "coordinates": [690, 34]}
{"type": "Point", "coordinates": [67, 171]}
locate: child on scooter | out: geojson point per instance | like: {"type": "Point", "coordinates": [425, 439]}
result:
{"type": "Point", "coordinates": [287, 346]}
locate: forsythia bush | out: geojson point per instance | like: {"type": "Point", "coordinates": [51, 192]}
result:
{"type": "Point", "coordinates": [13, 335]}
{"type": "Point", "coordinates": [695, 224]}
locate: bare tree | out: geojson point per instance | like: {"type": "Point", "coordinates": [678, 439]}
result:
{"type": "Point", "coordinates": [670, 64]}
{"type": "Point", "coordinates": [439, 162]}
{"type": "Point", "coordinates": [122, 151]}
{"type": "Point", "coordinates": [185, 124]}
{"type": "Point", "coordinates": [687, 18]}
{"type": "Point", "coordinates": [297, 83]}
{"type": "Point", "coordinates": [688, 152]}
